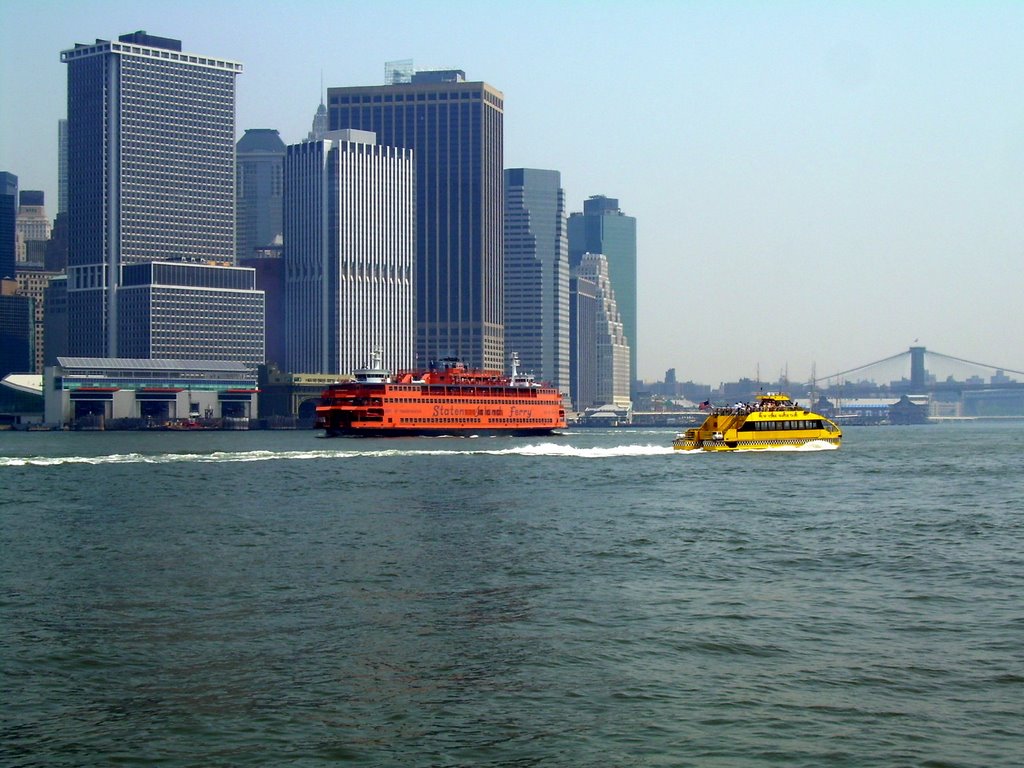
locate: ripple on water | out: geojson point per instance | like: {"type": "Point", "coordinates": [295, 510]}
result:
{"type": "Point", "coordinates": [592, 599]}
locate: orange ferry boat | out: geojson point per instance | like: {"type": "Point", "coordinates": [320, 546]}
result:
{"type": "Point", "coordinates": [447, 399]}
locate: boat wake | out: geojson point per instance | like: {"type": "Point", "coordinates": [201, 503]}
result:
{"type": "Point", "coordinates": [555, 449]}
{"type": "Point", "coordinates": [814, 445]}
{"type": "Point", "coordinates": [540, 449]}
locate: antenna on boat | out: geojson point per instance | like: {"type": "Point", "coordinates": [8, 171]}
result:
{"type": "Point", "coordinates": [515, 364]}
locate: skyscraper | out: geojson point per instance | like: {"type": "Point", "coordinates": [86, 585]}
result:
{"type": "Point", "coordinates": [584, 302]}
{"type": "Point", "coordinates": [537, 274]}
{"type": "Point", "coordinates": [259, 190]}
{"type": "Point", "coordinates": [604, 228]}
{"type": "Point", "coordinates": [348, 253]}
{"type": "Point", "coordinates": [8, 226]}
{"type": "Point", "coordinates": [601, 360]}
{"type": "Point", "coordinates": [455, 129]}
{"type": "Point", "coordinates": [17, 330]}
{"type": "Point", "coordinates": [151, 170]}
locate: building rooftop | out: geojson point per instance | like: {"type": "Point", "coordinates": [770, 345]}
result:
{"type": "Point", "coordinates": [145, 364]}
{"type": "Point", "coordinates": [260, 140]}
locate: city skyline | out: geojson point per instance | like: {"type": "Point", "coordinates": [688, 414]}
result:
{"type": "Point", "coordinates": [861, 166]}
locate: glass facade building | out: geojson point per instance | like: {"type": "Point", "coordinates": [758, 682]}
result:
{"type": "Point", "coordinates": [603, 228]}
{"type": "Point", "coordinates": [537, 274]}
{"type": "Point", "coordinates": [151, 170]}
{"type": "Point", "coordinates": [455, 129]}
{"type": "Point", "coordinates": [17, 334]}
{"type": "Point", "coordinates": [8, 224]}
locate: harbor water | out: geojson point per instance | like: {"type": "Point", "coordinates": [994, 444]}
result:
{"type": "Point", "coordinates": [586, 599]}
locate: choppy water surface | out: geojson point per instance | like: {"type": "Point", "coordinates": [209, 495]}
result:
{"type": "Point", "coordinates": [594, 598]}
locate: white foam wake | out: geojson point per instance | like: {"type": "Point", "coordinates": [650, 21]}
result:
{"type": "Point", "coordinates": [814, 445]}
{"type": "Point", "coordinates": [542, 449]}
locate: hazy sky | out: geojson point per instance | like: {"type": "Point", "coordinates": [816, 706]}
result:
{"type": "Point", "coordinates": [815, 183]}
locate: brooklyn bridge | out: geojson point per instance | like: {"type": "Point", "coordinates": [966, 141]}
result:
{"type": "Point", "coordinates": [929, 385]}
{"type": "Point", "coordinates": [921, 371]}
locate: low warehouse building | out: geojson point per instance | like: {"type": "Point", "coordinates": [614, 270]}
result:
{"type": "Point", "coordinates": [103, 392]}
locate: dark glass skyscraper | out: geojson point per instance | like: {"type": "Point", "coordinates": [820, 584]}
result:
{"type": "Point", "coordinates": [455, 129]}
{"type": "Point", "coordinates": [604, 228]}
{"type": "Point", "coordinates": [8, 227]}
{"type": "Point", "coordinates": [17, 333]}
{"type": "Point", "coordinates": [151, 170]}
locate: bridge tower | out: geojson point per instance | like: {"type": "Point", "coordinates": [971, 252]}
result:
{"type": "Point", "coordinates": [917, 371]}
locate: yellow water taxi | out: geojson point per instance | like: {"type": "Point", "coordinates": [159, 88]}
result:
{"type": "Point", "coordinates": [772, 421]}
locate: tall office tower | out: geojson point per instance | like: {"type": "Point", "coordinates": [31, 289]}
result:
{"type": "Point", "coordinates": [454, 128]}
{"type": "Point", "coordinates": [583, 305]}
{"type": "Point", "coordinates": [601, 359]}
{"type": "Point", "coordinates": [33, 227]}
{"type": "Point", "coordinates": [8, 224]}
{"type": "Point", "coordinates": [268, 264]}
{"type": "Point", "coordinates": [537, 274]}
{"type": "Point", "coordinates": [177, 310]}
{"type": "Point", "coordinates": [151, 170]}
{"type": "Point", "coordinates": [349, 224]}
{"type": "Point", "coordinates": [17, 330]}
{"type": "Point", "coordinates": [603, 228]}
{"type": "Point", "coordinates": [62, 166]}
{"type": "Point", "coordinates": [259, 190]}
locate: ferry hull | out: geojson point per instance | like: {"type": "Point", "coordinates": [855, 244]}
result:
{"type": "Point", "coordinates": [683, 444]}
{"type": "Point", "coordinates": [426, 432]}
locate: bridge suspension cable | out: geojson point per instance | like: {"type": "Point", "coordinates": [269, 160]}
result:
{"type": "Point", "coordinates": [906, 354]}
{"type": "Point", "coordinates": [971, 362]}
{"type": "Point", "coordinates": [860, 367]}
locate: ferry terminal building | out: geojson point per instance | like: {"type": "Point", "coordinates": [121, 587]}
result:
{"type": "Point", "coordinates": [154, 391]}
